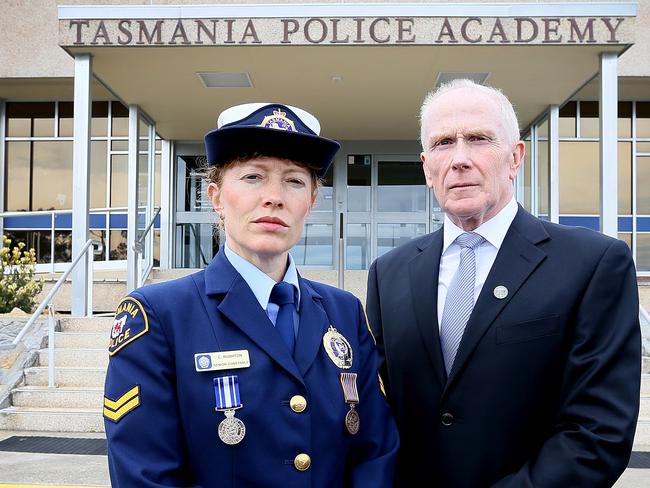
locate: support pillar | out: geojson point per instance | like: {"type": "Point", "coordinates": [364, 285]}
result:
{"type": "Point", "coordinates": [608, 144]}
{"type": "Point", "coordinates": [81, 180]}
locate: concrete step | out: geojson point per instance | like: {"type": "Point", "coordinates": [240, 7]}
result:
{"type": "Point", "coordinates": [51, 419]}
{"type": "Point", "coordinates": [642, 436]}
{"type": "Point", "coordinates": [70, 340]}
{"type": "Point", "coordinates": [65, 398]}
{"type": "Point", "coordinates": [645, 384]}
{"type": "Point", "coordinates": [66, 377]}
{"type": "Point", "coordinates": [106, 295]}
{"type": "Point", "coordinates": [87, 324]}
{"type": "Point", "coordinates": [88, 358]}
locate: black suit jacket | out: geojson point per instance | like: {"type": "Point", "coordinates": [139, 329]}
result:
{"type": "Point", "coordinates": [544, 391]}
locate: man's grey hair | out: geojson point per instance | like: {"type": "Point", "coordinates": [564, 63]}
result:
{"type": "Point", "coordinates": [508, 115]}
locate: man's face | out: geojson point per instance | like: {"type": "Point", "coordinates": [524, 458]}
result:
{"type": "Point", "coordinates": [468, 161]}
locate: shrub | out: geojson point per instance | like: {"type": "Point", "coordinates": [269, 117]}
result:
{"type": "Point", "coordinates": [18, 287]}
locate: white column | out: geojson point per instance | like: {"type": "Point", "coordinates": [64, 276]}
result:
{"type": "Point", "coordinates": [132, 190]}
{"type": "Point", "coordinates": [534, 168]}
{"type": "Point", "coordinates": [608, 150]}
{"type": "Point", "coordinates": [554, 163]}
{"type": "Point", "coordinates": [3, 116]}
{"type": "Point", "coordinates": [166, 199]}
{"type": "Point", "coordinates": [81, 180]}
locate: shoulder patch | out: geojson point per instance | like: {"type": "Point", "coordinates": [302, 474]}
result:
{"type": "Point", "coordinates": [114, 410]}
{"type": "Point", "coordinates": [130, 323]}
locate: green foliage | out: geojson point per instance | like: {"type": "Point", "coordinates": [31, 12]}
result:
{"type": "Point", "coordinates": [18, 287]}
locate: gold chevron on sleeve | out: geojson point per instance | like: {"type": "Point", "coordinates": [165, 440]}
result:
{"type": "Point", "coordinates": [116, 409]}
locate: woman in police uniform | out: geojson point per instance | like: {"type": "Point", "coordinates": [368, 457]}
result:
{"type": "Point", "coordinates": [246, 374]}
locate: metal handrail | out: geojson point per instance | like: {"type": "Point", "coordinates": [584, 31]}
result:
{"type": "Point", "coordinates": [57, 286]}
{"type": "Point", "coordinates": [138, 247]}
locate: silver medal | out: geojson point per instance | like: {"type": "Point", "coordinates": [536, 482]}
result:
{"type": "Point", "coordinates": [231, 429]}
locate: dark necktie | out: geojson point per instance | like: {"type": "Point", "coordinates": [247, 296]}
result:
{"type": "Point", "coordinates": [460, 298]}
{"type": "Point", "coordinates": [283, 296]}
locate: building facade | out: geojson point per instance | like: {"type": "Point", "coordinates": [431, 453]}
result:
{"type": "Point", "coordinates": [103, 106]}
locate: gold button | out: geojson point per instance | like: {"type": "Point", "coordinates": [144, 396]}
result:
{"type": "Point", "coordinates": [298, 403]}
{"type": "Point", "coordinates": [302, 462]}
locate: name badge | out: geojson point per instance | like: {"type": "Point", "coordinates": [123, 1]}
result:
{"type": "Point", "coordinates": [215, 361]}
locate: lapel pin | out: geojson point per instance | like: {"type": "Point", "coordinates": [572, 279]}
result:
{"type": "Point", "coordinates": [500, 292]}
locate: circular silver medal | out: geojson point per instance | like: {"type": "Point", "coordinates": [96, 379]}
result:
{"type": "Point", "coordinates": [352, 421]}
{"type": "Point", "coordinates": [231, 429]}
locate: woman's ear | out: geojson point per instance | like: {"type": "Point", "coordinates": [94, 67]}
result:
{"type": "Point", "coordinates": [214, 194]}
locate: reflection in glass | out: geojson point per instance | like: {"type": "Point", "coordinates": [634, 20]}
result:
{"type": "Point", "coordinates": [25, 119]}
{"type": "Point", "coordinates": [98, 174]}
{"type": "Point", "coordinates": [589, 124]}
{"type": "Point", "coordinates": [624, 119]}
{"type": "Point", "coordinates": [359, 179]}
{"type": "Point", "coordinates": [643, 252]}
{"type": "Point", "coordinates": [315, 246]}
{"type": "Point", "coordinates": [643, 147]}
{"type": "Point", "coordinates": [625, 178]}
{"type": "Point", "coordinates": [389, 236]}
{"type": "Point", "coordinates": [643, 119]}
{"type": "Point", "coordinates": [17, 193]}
{"type": "Point", "coordinates": [66, 119]}
{"type": "Point", "coordinates": [63, 246]}
{"type": "Point", "coordinates": [99, 235]}
{"type": "Point", "coordinates": [119, 180]}
{"type": "Point", "coordinates": [325, 197]}
{"type": "Point", "coordinates": [52, 177]}
{"type": "Point", "coordinates": [401, 187]}
{"type": "Point", "coordinates": [99, 124]}
{"type": "Point", "coordinates": [120, 122]}
{"type": "Point", "coordinates": [196, 244]}
{"type": "Point", "coordinates": [118, 250]}
{"type": "Point", "coordinates": [643, 185]}
{"type": "Point", "coordinates": [194, 188]}
{"type": "Point", "coordinates": [39, 240]}
{"type": "Point", "coordinates": [357, 255]}
{"type": "Point", "coordinates": [579, 177]}
{"type": "Point", "coordinates": [568, 120]}
{"type": "Point", "coordinates": [626, 237]}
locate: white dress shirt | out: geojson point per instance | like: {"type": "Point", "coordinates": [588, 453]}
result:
{"type": "Point", "coordinates": [262, 284]}
{"type": "Point", "coordinates": [493, 231]}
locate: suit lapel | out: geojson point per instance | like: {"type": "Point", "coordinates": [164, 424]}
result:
{"type": "Point", "coordinates": [241, 307]}
{"type": "Point", "coordinates": [516, 260]}
{"type": "Point", "coordinates": [423, 272]}
{"type": "Point", "coordinates": [313, 324]}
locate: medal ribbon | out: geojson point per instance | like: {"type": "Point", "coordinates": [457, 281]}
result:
{"type": "Point", "coordinates": [226, 392]}
{"type": "Point", "coordinates": [349, 384]}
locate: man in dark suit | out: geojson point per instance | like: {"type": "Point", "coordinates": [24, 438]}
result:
{"type": "Point", "coordinates": [510, 346]}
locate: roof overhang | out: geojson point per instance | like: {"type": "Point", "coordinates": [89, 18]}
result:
{"type": "Point", "coordinates": [363, 69]}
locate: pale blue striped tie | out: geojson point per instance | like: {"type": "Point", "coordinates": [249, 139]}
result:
{"type": "Point", "coordinates": [460, 298]}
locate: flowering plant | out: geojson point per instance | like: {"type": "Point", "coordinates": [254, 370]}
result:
{"type": "Point", "coordinates": [18, 287]}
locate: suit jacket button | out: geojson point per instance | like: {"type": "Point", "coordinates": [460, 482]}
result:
{"type": "Point", "coordinates": [298, 403]}
{"type": "Point", "coordinates": [302, 462]}
{"type": "Point", "coordinates": [447, 419]}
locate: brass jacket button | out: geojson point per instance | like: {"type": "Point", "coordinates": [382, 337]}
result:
{"type": "Point", "coordinates": [298, 403]}
{"type": "Point", "coordinates": [302, 462]}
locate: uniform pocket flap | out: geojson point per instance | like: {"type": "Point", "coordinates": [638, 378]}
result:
{"type": "Point", "coordinates": [527, 331]}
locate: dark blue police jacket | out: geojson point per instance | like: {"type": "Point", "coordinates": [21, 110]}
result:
{"type": "Point", "coordinates": [159, 407]}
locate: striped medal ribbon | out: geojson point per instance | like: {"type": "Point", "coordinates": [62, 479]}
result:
{"type": "Point", "coordinates": [231, 430]}
{"type": "Point", "coordinates": [351, 394]}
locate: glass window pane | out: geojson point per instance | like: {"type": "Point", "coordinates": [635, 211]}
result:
{"type": "Point", "coordinates": [389, 236]}
{"type": "Point", "coordinates": [63, 246]}
{"type": "Point", "coordinates": [542, 178]}
{"type": "Point", "coordinates": [528, 176]}
{"type": "Point", "coordinates": [156, 248]}
{"type": "Point", "coordinates": [359, 174]}
{"type": "Point", "coordinates": [99, 124]}
{"type": "Point", "coordinates": [98, 174]}
{"type": "Point", "coordinates": [625, 178]}
{"type": "Point", "coordinates": [118, 248]}
{"type": "Point", "coordinates": [643, 185]}
{"type": "Point", "coordinates": [626, 237]}
{"type": "Point", "coordinates": [643, 252]}
{"type": "Point", "coordinates": [624, 119]}
{"type": "Point", "coordinates": [643, 147]}
{"type": "Point", "coordinates": [579, 177]}
{"type": "Point", "coordinates": [589, 124]}
{"type": "Point", "coordinates": [20, 116]}
{"type": "Point", "coordinates": [315, 246]}
{"type": "Point", "coordinates": [542, 131]}
{"type": "Point", "coordinates": [52, 181]}
{"type": "Point", "coordinates": [17, 193]}
{"type": "Point", "coordinates": [401, 187]}
{"type": "Point", "coordinates": [66, 119]}
{"type": "Point", "coordinates": [194, 188]}
{"type": "Point", "coordinates": [120, 122]}
{"type": "Point", "coordinates": [643, 119]}
{"type": "Point", "coordinates": [119, 180]}
{"type": "Point", "coordinates": [120, 145]}
{"type": "Point", "coordinates": [99, 235]}
{"type": "Point", "coordinates": [568, 120]}
{"type": "Point", "coordinates": [196, 244]}
{"type": "Point", "coordinates": [39, 240]}
{"type": "Point", "coordinates": [156, 191]}
{"type": "Point", "coordinates": [357, 251]}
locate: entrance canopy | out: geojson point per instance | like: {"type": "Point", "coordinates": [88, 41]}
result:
{"type": "Point", "coordinates": [363, 69]}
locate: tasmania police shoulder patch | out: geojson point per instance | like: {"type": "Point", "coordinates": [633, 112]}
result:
{"type": "Point", "coordinates": [130, 323]}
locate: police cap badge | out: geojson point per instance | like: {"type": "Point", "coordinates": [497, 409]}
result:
{"type": "Point", "coordinates": [269, 129]}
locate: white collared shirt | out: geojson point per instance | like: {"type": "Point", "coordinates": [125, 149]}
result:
{"type": "Point", "coordinates": [493, 231]}
{"type": "Point", "coordinates": [262, 284]}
